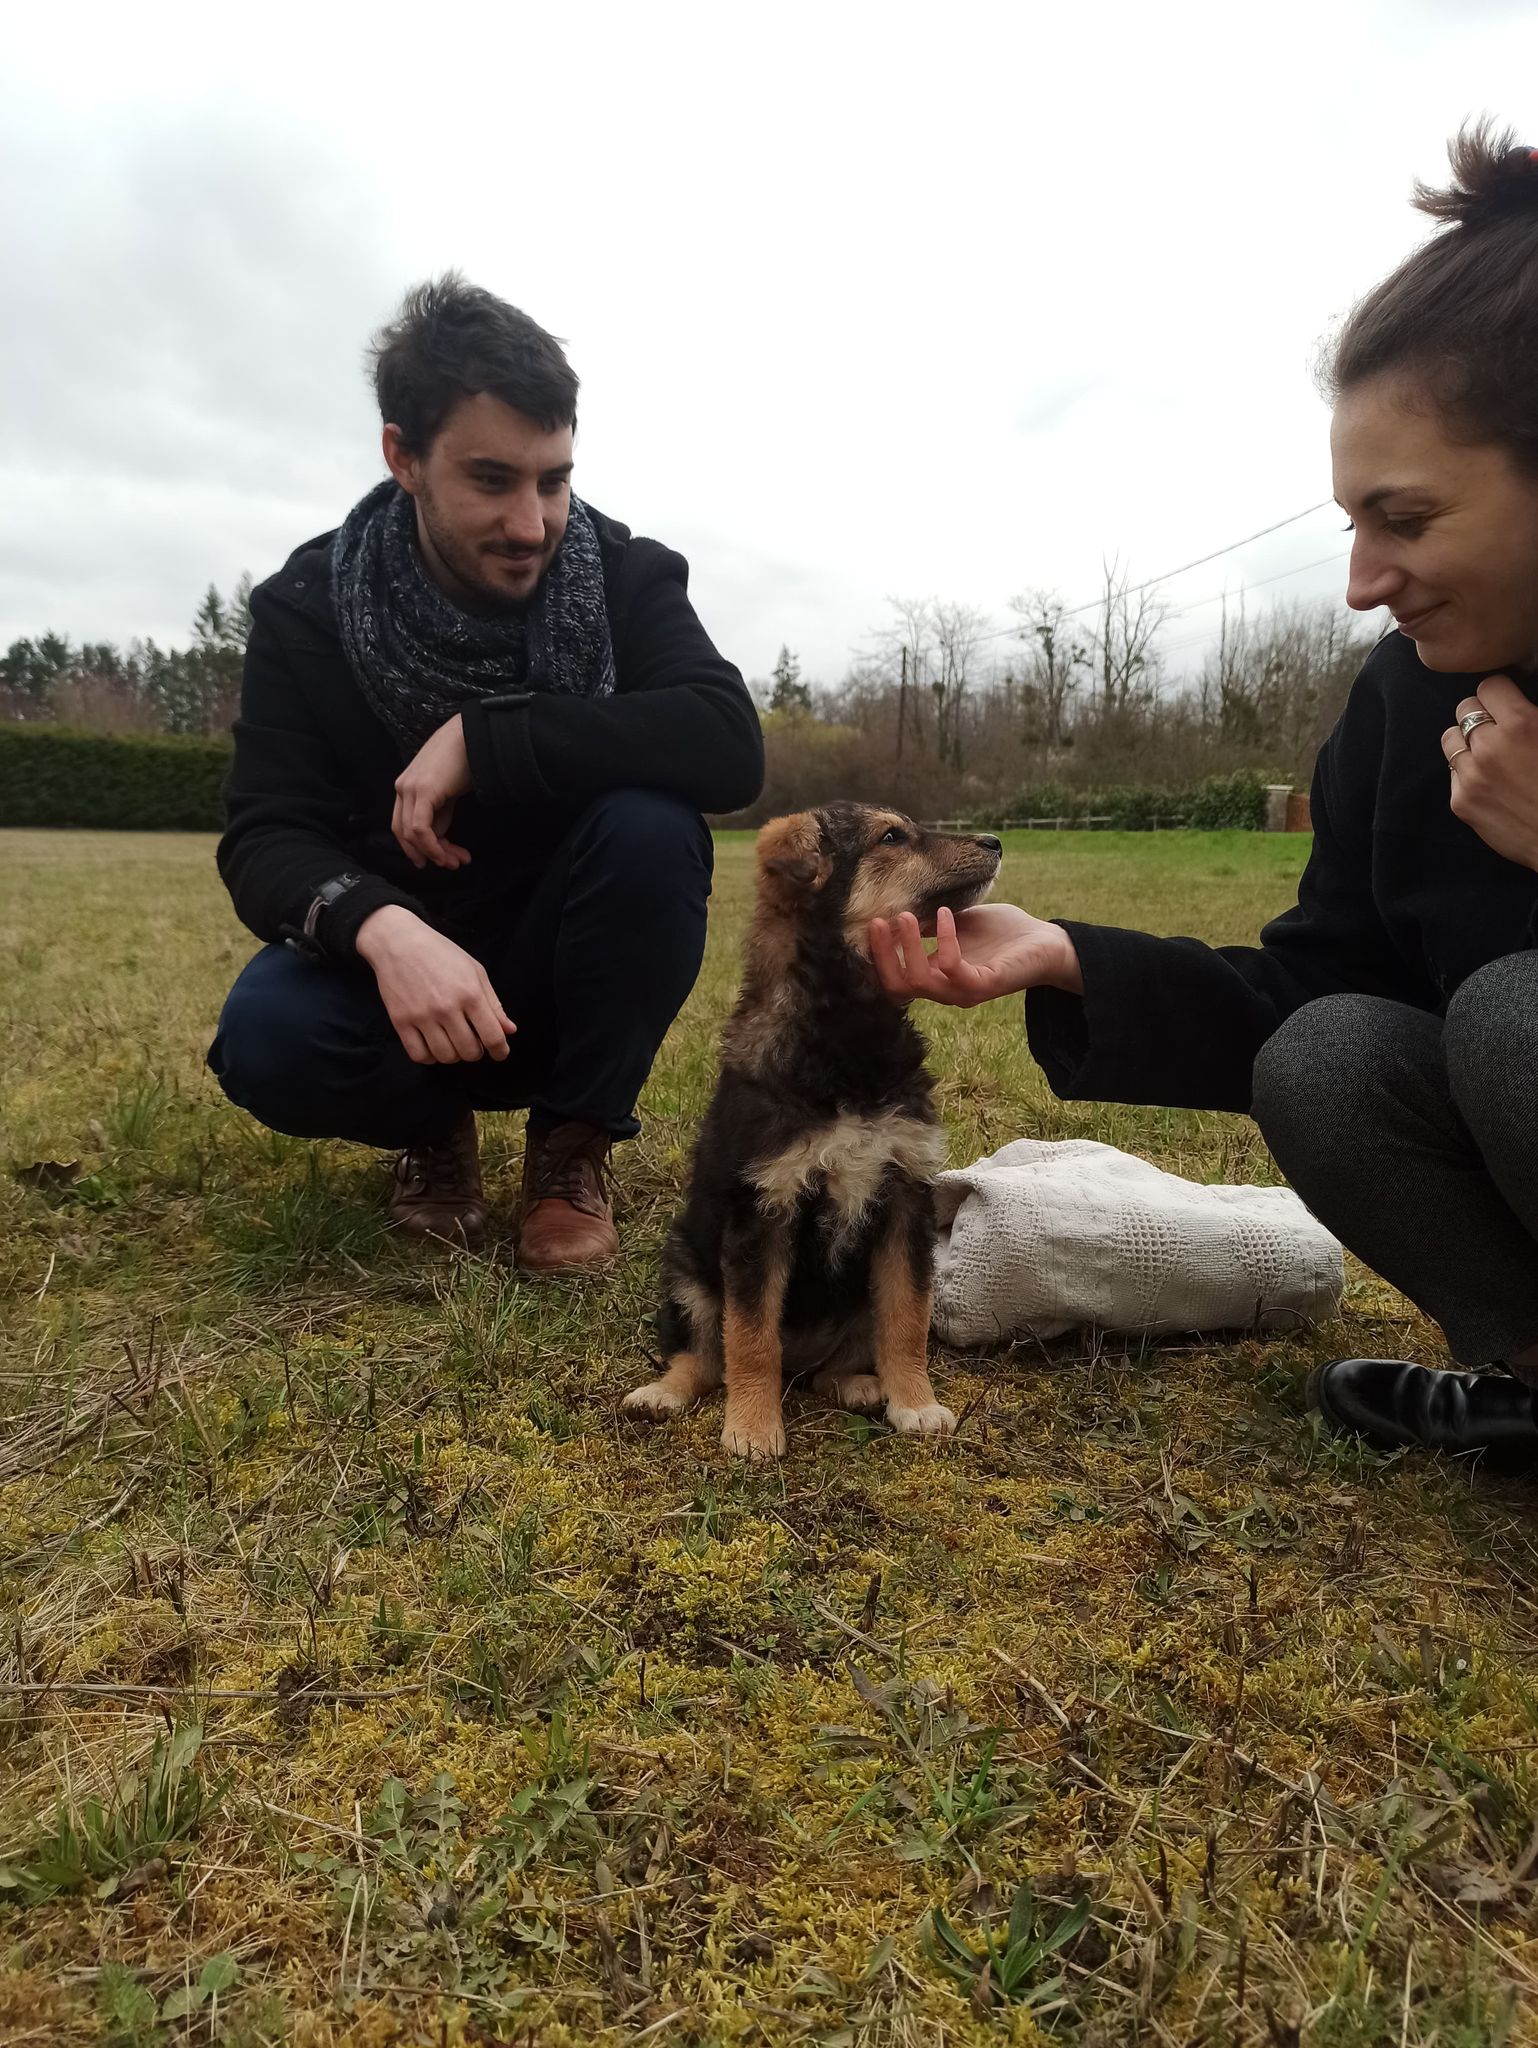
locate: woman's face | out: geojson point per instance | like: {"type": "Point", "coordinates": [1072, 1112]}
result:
{"type": "Point", "coordinates": [1446, 534]}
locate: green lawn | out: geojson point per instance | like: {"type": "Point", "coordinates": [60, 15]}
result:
{"type": "Point", "coordinates": [364, 1679]}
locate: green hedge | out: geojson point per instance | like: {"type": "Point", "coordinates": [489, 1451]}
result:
{"type": "Point", "coordinates": [1222, 803]}
{"type": "Point", "coordinates": [136, 782]}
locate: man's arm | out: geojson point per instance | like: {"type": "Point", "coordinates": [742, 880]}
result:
{"type": "Point", "coordinates": [680, 720]}
{"type": "Point", "coordinates": [287, 812]}
{"type": "Point", "coordinates": [284, 849]}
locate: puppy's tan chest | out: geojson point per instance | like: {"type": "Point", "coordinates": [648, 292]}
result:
{"type": "Point", "coordinates": [846, 1159]}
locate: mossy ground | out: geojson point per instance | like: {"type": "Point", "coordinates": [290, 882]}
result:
{"type": "Point", "coordinates": [519, 1725]}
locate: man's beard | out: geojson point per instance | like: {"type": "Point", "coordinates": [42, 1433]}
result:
{"type": "Point", "coordinates": [463, 562]}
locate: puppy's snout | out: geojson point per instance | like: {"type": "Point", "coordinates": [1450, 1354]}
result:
{"type": "Point", "coordinates": [987, 841]}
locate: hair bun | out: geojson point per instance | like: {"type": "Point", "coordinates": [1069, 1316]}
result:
{"type": "Point", "coordinates": [1494, 177]}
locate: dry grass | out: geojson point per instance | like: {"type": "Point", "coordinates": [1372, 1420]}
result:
{"type": "Point", "coordinates": [364, 1680]}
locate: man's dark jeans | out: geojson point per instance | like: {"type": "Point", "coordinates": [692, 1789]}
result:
{"type": "Point", "coordinates": [593, 966]}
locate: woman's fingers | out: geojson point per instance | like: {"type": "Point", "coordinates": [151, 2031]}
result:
{"type": "Point", "coordinates": [1503, 699]}
{"type": "Point", "coordinates": [883, 953]}
{"type": "Point", "coordinates": [948, 967]}
{"type": "Point", "coordinates": [918, 976]}
{"type": "Point", "coordinates": [943, 975]}
{"type": "Point", "coordinates": [905, 969]}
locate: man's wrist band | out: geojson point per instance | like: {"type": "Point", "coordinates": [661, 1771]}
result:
{"type": "Point", "coordinates": [307, 941]}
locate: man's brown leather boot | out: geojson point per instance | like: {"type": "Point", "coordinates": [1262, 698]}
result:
{"type": "Point", "coordinates": [437, 1191]}
{"type": "Point", "coordinates": [566, 1216]}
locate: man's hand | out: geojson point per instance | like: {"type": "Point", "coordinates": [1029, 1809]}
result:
{"type": "Point", "coordinates": [425, 791]}
{"type": "Point", "coordinates": [440, 1001]}
{"type": "Point", "coordinates": [1495, 770]}
{"type": "Point", "coordinates": [995, 949]}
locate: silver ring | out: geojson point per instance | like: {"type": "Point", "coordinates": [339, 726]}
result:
{"type": "Point", "coordinates": [1470, 719]}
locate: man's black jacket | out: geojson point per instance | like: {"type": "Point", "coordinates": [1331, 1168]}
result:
{"type": "Point", "coordinates": [311, 789]}
{"type": "Point", "coordinates": [1399, 899]}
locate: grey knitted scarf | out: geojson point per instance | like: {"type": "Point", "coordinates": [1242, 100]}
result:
{"type": "Point", "coordinates": [419, 657]}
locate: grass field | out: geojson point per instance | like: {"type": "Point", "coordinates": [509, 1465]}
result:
{"type": "Point", "coordinates": [363, 1679]}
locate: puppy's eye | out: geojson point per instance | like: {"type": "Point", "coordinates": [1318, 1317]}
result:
{"type": "Point", "coordinates": [893, 837]}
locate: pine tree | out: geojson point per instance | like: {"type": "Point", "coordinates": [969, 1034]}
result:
{"type": "Point", "coordinates": [237, 624]}
{"type": "Point", "coordinates": [210, 624]}
{"type": "Point", "coordinates": [789, 692]}
{"type": "Point", "coordinates": [29, 669]}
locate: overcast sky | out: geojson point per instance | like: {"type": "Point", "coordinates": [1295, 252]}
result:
{"type": "Point", "coordinates": [867, 300]}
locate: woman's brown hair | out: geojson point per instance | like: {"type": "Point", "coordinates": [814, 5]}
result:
{"type": "Point", "coordinates": [1459, 318]}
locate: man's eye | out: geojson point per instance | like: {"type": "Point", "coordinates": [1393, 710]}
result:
{"type": "Point", "coordinates": [1405, 529]}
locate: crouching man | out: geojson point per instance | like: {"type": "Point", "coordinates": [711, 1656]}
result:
{"type": "Point", "coordinates": [479, 724]}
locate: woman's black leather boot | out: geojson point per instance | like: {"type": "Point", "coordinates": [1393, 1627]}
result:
{"type": "Point", "coordinates": [1392, 1403]}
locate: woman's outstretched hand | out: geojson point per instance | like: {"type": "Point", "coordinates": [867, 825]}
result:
{"type": "Point", "coordinates": [995, 949]}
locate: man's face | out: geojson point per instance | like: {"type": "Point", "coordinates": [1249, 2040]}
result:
{"type": "Point", "coordinates": [493, 492]}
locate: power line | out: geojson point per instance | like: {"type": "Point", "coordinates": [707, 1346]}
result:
{"type": "Point", "coordinates": [1077, 611]}
{"type": "Point", "coordinates": [1201, 560]}
{"type": "Point", "coordinates": [1260, 583]}
{"type": "Point", "coordinates": [1196, 639]}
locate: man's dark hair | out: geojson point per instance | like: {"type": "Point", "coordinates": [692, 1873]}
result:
{"type": "Point", "coordinates": [1458, 318]}
{"type": "Point", "coordinates": [451, 340]}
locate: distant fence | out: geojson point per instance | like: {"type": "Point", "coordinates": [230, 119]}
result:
{"type": "Point", "coordinates": [1084, 824]}
{"type": "Point", "coordinates": [1286, 810]}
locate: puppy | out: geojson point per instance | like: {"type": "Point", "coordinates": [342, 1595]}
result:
{"type": "Point", "coordinates": [806, 1241]}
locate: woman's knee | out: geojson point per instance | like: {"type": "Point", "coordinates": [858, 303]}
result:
{"type": "Point", "coordinates": [1491, 1033]}
{"type": "Point", "coordinates": [1325, 1067]}
{"type": "Point", "coordinates": [1491, 1045]}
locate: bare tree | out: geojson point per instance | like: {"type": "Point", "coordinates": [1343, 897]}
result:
{"type": "Point", "coordinates": [1057, 654]}
{"type": "Point", "coordinates": [1233, 681]}
{"type": "Point", "coordinates": [958, 633]}
{"type": "Point", "coordinates": [907, 645]}
{"type": "Point", "coordinates": [1276, 684]}
{"type": "Point", "coordinates": [1126, 624]}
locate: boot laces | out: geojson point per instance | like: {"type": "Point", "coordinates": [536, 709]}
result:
{"type": "Point", "coordinates": [570, 1164]}
{"type": "Point", "coordinates": [444, 1167]}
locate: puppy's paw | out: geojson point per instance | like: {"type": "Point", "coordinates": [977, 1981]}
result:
{"type": "Point", "coordinates": [859, 1391]}
{"type": "Point", "coordinates": [656, 1402]}
{"type": "Point", "coordinates": [760, 1444]}
{"type": "Point", "coordinates": [930, 1420]}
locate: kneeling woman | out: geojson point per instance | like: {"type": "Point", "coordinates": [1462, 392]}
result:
{"type": "Point", "coordinates": [1384, 1032]}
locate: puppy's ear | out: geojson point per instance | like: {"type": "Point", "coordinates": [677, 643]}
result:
{"type": "Point", "coordinates": [791, 861]}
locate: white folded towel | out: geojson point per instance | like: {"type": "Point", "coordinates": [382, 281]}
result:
{"type": "Point", "coordinates": [1042, 1238]}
